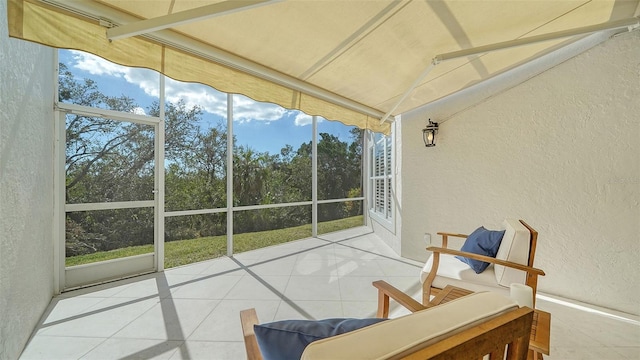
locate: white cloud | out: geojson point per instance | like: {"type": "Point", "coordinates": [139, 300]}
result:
{"type": "Point", "coordinates": [210, 100]}
{"type": "Point", "coordinates": [246, 110]}
{"type": "Point", "coordinates": [138, 111]}
{"type": "Point", "coordinates": [96, 65]}
{"type": "Point", "coordinates": [147, 80]}
{"type": "Point", "coordinates": [303, 119]}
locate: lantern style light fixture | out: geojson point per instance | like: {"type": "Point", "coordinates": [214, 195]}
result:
{"type": "Point", "coordinates": [429, 134]}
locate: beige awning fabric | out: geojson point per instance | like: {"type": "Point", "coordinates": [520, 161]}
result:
{"type": "Point", "coordinates": [352, 61]}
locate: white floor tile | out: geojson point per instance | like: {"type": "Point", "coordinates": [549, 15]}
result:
{"type": "Point", "coordinates": [610, 332]}
{"type": "Point", "coordinates": [171, 319]}
{"type": "Point", "coordinates": [399, 268]}
{"type": "Point", "coordinates": [358, 288]}
{"type": "Point", "coordinates": [262, 288]}
{"type": "Point", "coordinates": [628, 352]}
{"type": "Point", "coordinates": [210, 350]}
{"type": "Point", "coordinates": [248, 255]}
{"type": "Point", "coordinates": [359, 309]}
{"type": "Point", "coordinates": [59, 347]}
{"type": "Point", "coordinates": [191, 269]}
{"type": "Point", "coordinates": [279, 267]}
{"type": "Point", "coordinates": [317, 257]}
{"type": "Point", "coordinates": [206, 287]}
{"type": "Point", "coordinates": [223, 266]}
{"type": "Point", "coordinates": [321, 253]}
{"type": "Point", "coordinates": [223, 323]}
{"type": "Point", "coordinates": [101, 320]}
{"type": "Point", "coordinates": [309, 310]}
{"type": "Point", "coordinates": [192, 312]}
{"type": "Point", "coordinates": [64, 308]}
{"type": "Point", "coordinates": [276, 253]}
{"type": "Point", "coordinates": [583, 352]}
{"type": "Point", "coordinates": [351, 253]}
{"type": "Point", "coordinates": [313, 288]}
{"type": "Point", "coordinates": [406, 284]}
{"type": "Point", "coordinates": [312, 243]}
{"type": "Point", "coordinates": [131, 349]}
{"type": "Point", "coordinates": [314, 267]}
{"type": "Point", "coordinates": [357, 267]}
{"type": "Point", "coordinates": [156, 285]}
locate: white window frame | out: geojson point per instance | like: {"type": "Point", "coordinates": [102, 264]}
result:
{"type": "Point", "coordinates": [155, 261]}
{"type": "Point", "coordinates": [385, 215]}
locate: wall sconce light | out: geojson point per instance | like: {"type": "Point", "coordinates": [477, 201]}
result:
{"type": "Point", "coordinates": [429, 134]}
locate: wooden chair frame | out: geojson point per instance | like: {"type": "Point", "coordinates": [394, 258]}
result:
{"type": "Point", "coordinates": [507, 333]}
{"type": "Point", "coordinates": [248, 318]}
{"type": "Point", "coordinates": [532, 273]}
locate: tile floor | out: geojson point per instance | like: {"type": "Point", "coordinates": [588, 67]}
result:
{"type": "Point", "coordinates": [191, 312]}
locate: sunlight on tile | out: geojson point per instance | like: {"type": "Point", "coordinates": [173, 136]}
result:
{"type": "Point", "coordinates": [192, 312]}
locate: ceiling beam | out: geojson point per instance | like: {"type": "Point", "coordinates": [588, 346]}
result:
{"type": "Point", "coordinates": [630, 24]}
{"type": "Point", "coordinates": [184, 17]}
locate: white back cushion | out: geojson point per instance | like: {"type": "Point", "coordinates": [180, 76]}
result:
{"type": "Point", "coordinates": [515, 248]}
{"type": "Point", "coordinates": [414, 331]}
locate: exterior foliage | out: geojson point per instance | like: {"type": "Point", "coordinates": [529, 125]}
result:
{"type": "Point", "coordinates": [109, 161]}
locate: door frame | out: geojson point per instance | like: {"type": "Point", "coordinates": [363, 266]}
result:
{"type": "Point", "coordinates": [67, 278]}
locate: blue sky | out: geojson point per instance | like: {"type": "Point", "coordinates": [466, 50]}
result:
{"type": "Point", "coordinates": [264, 127]}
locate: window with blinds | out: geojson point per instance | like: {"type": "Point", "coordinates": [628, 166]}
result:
{"type": "Point", "coordinates": [380, 177]}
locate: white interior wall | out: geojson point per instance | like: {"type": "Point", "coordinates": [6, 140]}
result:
{"type": "Point", "coordinates": [26, 188]}
{"type": "Point", "coordinates": [560, 151]}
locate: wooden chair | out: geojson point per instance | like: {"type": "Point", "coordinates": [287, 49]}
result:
{"type": "Point", "coordinates": [513, 264]}
{"type": "Point", "coordinates": [470, 327]}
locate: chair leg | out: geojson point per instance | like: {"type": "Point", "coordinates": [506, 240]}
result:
{"type": "Point", "coordinates": [534, 355]}
{"type": "Point", "coordinates": [427, 293]}
{"type": "Point", "coordinates": [383, 305]}
{"type": "Point", "coordinates": [248, 318]}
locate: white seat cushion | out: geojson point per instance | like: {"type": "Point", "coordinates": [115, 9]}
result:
{"type": "Point", "coordinates": [452, 271]}
{"type": "Point", "coordinates": [515, 248]}
{"type": "Point", "coordinates": [413, 331]}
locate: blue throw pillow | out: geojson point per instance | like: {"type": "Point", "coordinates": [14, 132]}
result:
{"type": "Point", "coordinates": [287, 339]}
{"type": "Point", "coordinates": [482, 242]}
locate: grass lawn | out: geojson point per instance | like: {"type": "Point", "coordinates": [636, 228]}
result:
{"type": "Point", "coordinates": [182, 252]}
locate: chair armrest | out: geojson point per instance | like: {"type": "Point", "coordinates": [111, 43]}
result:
{"type": "Point", "coordinates": [453, 234]}
{"type": "Point", "coordinates": [525, 268]}
{"type": "Point", "coordinates": [386, 291]}
{"type": "Point", "coordinates": [248, 318]}
{"type": "Point", "coordinates": [445, 237]}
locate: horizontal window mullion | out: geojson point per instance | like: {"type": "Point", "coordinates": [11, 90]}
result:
{"type": "Point", "coordinates": [340, 200]}
{"type": "Point", "coordinates": [194, 212]}
{"type": "Point", "coordinates": [269, 206]}
{"type": "Point", "coordinates": [108, 114]}
{"type": "Point", "coordinates": [109, 205]}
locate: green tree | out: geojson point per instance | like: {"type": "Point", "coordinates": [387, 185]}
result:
{"type": "Point", "coordinates": [250, 170]}
{"type": "Point", "coordinates": [109, 160]}
{"type": "Point", "coordinates": [339, 173]}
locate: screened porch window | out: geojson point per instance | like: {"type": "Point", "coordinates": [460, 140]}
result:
{"type": "Point", "coordinates": [144, 173]}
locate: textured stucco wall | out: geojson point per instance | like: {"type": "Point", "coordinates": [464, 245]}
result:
{"type": "Point", "coordinates": [559, 150]}
{"type": "Point", "coordinates": [26, 188]}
